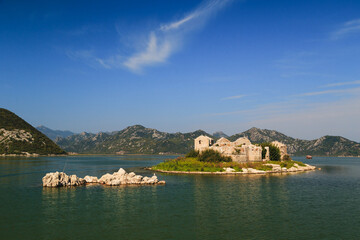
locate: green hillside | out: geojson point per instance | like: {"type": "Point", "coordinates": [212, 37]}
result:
{"type": "Point", "coordinates": [139, 139]}
{"type": "Point", "coordinates": [133, 139]}
{"type": "Point", "coordinates": [19, 137]}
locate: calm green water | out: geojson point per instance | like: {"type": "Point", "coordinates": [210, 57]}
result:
{"type": "Point", "coordinates": [315, 205]}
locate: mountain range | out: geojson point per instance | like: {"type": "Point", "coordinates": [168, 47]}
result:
{"type": "Point", "coordinates": [53, 134]}
{"type": "Point", "coordinates": [133, 139]}
{"type": "Point", "coordinates": [19, 137]}
{"type": "Point", "coordinates": [138, 139]}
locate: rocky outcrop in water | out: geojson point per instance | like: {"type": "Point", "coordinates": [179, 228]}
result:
{"type": "Point", "coordinates": [121, 177]}
{"type": "Point", "coordinates": [60, 179]}
{"type": "Point", "coordinates": [91, 179]}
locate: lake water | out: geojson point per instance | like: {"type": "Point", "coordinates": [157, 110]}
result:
{"type": "Point", "coordinates": [313, 205]}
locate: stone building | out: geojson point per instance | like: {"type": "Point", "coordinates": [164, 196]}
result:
{"type": "Point", "coordinates": [240, 151]}
{"type": "Point", "coordinates": [203, 142]}
{"type": "Point", "coordinates": [282, 147]}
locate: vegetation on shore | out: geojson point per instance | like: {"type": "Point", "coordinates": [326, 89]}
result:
{"type": "Point", "coordinates": [212, 161]}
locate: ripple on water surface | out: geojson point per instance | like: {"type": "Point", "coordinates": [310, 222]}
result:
{"type": "Point", "coordinates": [311, 205]}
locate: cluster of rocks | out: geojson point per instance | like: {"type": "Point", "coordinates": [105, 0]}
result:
{"type": "Point", "coordinates": [22, 154]}
{"type": "Point", "coordinates": [60, 179]}
{"type": "Point", "coordinates": [276, 168]}
{"type": "Point", "coordinates": [295, 168]}
{"type": "Point", "coordinates": [16, 135]}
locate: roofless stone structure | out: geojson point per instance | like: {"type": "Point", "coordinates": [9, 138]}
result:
{"type": "Point", "coordinates": [242, 150]}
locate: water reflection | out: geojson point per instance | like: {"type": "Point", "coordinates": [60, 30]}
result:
{"type": "Point", "coordinates": [243, 201]}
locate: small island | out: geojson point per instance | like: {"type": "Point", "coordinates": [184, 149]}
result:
{"type": "Point", "coordinates": [239, 157]}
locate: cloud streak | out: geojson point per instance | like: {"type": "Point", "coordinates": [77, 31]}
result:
{"type": "Point", "coordinates": [346, 29]}
{"type": "Point", "coordinates": [335, 118]}
{"type": "Point", "coordinates": [321, 93]}
{"type": "Point", "coordinates": [168, 38]}
{"type": "Point", "coordinates": [89, 57]}
{"type": "Point", "coordinates": [336, 91]}
{"type": "Point", "coordinates": [339, 84]}
{"type": "Point", "coordinates": [233, 97]}
{"type": "Point", "coordinates": [155, 52]}
{"type": "Point", "coordinates": [302, 118]}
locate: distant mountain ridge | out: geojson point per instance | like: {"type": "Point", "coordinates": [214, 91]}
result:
{"type": "Point", "coordinates": [20, 138]}
{"type": "Point", "coordinates": [53, 134]}
{"type": "Point", "coordinates": [142, 140]}
{"type": "Point", "coordinates": [220, 134]}
{"type": "Point", "coordinates": [133, 139]}
{"type": "Point", "coordinates": [323, 146]}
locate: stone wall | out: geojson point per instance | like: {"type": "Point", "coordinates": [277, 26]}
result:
{"type": "Point", "coordinates": [240, 151]}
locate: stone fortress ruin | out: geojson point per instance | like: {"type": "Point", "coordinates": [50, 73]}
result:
{"type": "Point", "coordinates": [241, 150]}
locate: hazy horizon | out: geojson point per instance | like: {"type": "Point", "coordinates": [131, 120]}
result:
{"type": "Point", "coordinates": [116, 130]}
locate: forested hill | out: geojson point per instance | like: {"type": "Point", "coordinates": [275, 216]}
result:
{"type": "Point", "coordinates": [19, 137]}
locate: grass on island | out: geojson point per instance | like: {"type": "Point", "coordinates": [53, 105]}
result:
{"type": "Point", "coordinates": [212, 161]}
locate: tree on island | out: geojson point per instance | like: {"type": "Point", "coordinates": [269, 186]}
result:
{"type": "Point", "coordinates": [274, 151]}
{"type": "Point", "coordinates": [208, 155]}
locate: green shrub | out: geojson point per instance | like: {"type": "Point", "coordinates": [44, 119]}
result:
{"type": "Point", "coordinates": [211, 155]}
{"type": "Point", "coordinates": [286, 157]}
{"type": "Point", "coordinates": [192, 154]}
{"type": "Point", "coordinates": [237, 169]}
{"type": "Point", "coordinates": [264, 167]}
{"type": "Point", "coordinates": [274, 151]}
{"type": "Point", "coordinates": [194, 165]}
{"type": "Point", "coordinates": [300, 163]}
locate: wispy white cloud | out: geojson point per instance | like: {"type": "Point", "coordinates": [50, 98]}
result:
{"type": "Point", "coordinates": [316, 120]}
{"type": "Point", "coordinates": [346, 29]}
{"type": "Point", "coordinates": [177, 24]}
{"type": "Point", "coordinates": [339, 84]}
{"type": "Point", "coordinates": [262, 110]}
{"type": "Point", "coordinates": [299, 117]}
{"type": "Point", "coordinates": [89, 57]}
{"type": "Point", "coordinates": [159, 45]}
{"type": "Point", "coordinates": [157, 51]}
{"type": "Point", "coordinates": [167, 39]}
{"type": "Point", "coordinates": [234, 97]}
{"type": "Point", "coordinates": [336, 91]}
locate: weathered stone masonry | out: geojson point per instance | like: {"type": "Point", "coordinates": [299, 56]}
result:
{"type": "Point", "coordinates": [241, 150]}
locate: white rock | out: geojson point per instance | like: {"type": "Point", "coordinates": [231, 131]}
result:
{"type": "Point", "coordinates": [121, 171]}
{"type": "Point", "coordinates": [252, 170]}
{"type": "Point", "coordinates": [229, 169]}
{"type": "Point", "coordinates": [132, 174]}
{"type": "Point", "coordinates": [59, 179]}
{"type": "Point", "coordinates": [293, 169]}
{"type": "Point", "coordinates": [106, 178]}
{"type": "Point", "coordinates": [91, 179]}
{"type": "Point", "coordinates": [117, 178]}
{"type": "Point", "coordinates": [114, 182]}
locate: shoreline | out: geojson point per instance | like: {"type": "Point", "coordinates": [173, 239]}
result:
{"type": "Point", "coordinates": [129, 154]}
{"type": "Point", "coordinates": [246, 172]}
{"type": "Point", "coordinates": [82, 154]}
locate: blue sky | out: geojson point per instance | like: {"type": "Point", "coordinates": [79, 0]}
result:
{"type": "Point", "coordinates": [292, 66]}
